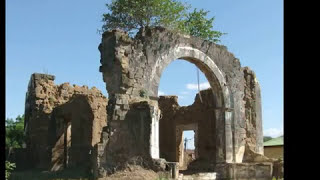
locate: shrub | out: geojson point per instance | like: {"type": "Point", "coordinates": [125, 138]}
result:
{"type": "Point", "coordinates": [9, 167]}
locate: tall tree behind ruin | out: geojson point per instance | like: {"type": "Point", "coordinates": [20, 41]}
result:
{"type": "Point", "coordinates": [15, 132]}
{"type": "Point", "coordinates": [131, 15]}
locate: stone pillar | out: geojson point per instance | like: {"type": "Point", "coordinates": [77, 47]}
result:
{"type": "Point", "coordinates": [179, 145]}
{"type": "Point", "coordinates": [196, 150]}
{"type": "Point", "coordinates": [154, 140]}
{"type": "Point", "coordinates": [99, 155]}
{"type": "Point", "coordinates": [253, 114]}
{"type": "Point", "coordinates": [224, 142]}
{"type": "Point", "coordinates": [259, 129]}
{"type": "Point", "coordinates": [174, 169]}
{"type": "Point", "coordinates": [229, 134]}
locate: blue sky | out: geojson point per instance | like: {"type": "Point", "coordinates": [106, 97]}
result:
{"type": "Point", "coordinates": [60, 37]}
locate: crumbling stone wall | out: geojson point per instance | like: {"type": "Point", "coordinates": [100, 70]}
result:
{"type": "Point", "coordinates": [128, 142]}
{"type": "Point", "coordinates": [253, 114]}
{"type": "Point", "coordinates": [230, 127]}
{"type": "Point", "coordinates": [132, 67]}
{"type": "Point", "coordinates": [48, 107]}
{"type": "Point", "coordinates": [201, 114]}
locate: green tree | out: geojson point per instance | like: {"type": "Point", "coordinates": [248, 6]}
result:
{"type": "Point", "coordinates": [196, 24]}
{"type": "Point", "coordinates": [131, 15]}
{"type": "Point", "coordinates": [266, 138]}
{"type": "Point", "coordinates": [15, 132]}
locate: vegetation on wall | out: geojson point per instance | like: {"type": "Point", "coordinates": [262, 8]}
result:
{"type": "Point", "coordinates": [196, 24]}
{"type": "Point", "coordinates": [131, 15]}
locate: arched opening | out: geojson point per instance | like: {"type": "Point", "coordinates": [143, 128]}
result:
{"type": "Point", "coordinates": [180, 78]}
{"type": "Point", "coordinates": [198, 117]}
{"type": "Point", "coordinates": [182, 119]}
{"type": "Point", "coordinates": [207, 115]}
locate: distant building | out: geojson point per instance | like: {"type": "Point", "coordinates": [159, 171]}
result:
{"type": "Point", "coordinates": [274, 148]}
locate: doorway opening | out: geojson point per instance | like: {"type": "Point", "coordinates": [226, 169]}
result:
{"type": "Point", "coordinates": [189, 149]}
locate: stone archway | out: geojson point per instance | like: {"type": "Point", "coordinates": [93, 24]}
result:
{"type": "Point", "coordinates": [219, 88]}
{"type": "Point", "coordinates": [132, 67]}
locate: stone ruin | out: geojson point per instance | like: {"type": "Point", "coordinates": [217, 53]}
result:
{"type": "Point", "coordinates": [72, 126]}
{"type": "Point", "coordinates": [54, 114]}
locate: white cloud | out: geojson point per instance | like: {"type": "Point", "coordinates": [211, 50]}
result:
{"type": "Point", "coordinates": [273, 132]}
{"type": "Point", "coordinates": [161, 93]}
{"type": "Point", "coordinates": [204, 85]}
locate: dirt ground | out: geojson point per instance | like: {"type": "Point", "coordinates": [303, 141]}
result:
{"type": "Point", "coordinates": [135, 173]}
{"type": "Point", "coordinates": [131, 173]}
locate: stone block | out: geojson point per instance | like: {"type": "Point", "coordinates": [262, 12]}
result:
{"type": "Point", "coordinates": [126, 106]}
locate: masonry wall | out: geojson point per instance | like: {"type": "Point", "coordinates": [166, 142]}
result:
{"type": "Point", "coordinates": [229, 123]}
{"type": "Point", "coordinates": [130, 141]}
{"type": "Point", "coordinates": [253, 113]}
{"type": "Point", "coordinates": [199, 114]}
{"type": "Point", "coordinates": [203, 114]}
{"type": "Point", "coordinates": [132, 68]}
{"type": "Point", "coordinates": [48, 107]}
